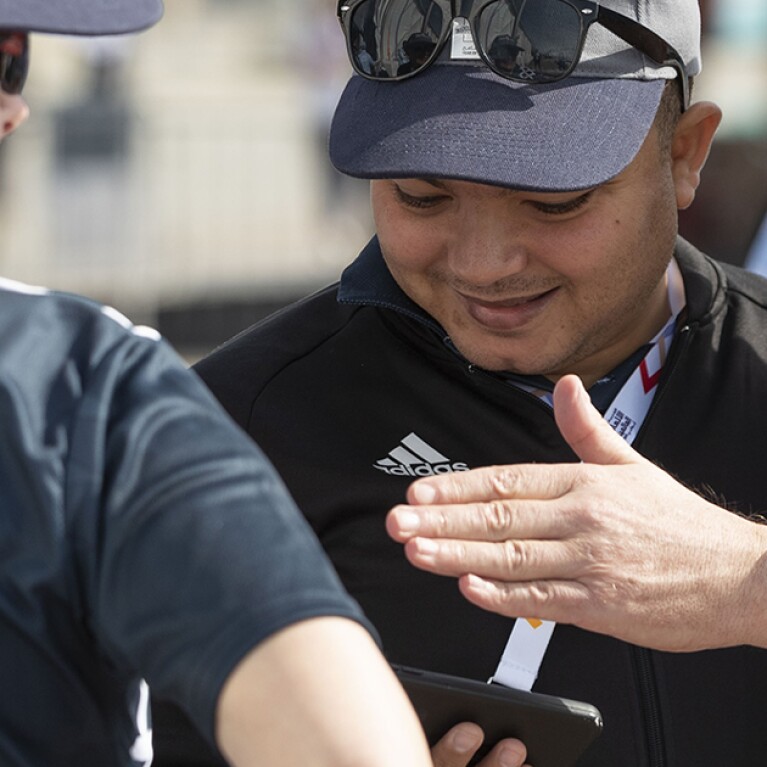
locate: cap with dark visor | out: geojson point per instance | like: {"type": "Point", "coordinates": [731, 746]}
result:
{"type": "Point", "coordinates": [458, 119]}
{"type": "Point", "coordinates": [79, 17]}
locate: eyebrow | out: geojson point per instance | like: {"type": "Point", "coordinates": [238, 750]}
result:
{"type": "Point", "coordinates": [442, 184]}
{"type": "Point", "coordinates": [503, 191]}
{"type": "Point", "coordinates": [434, 182]}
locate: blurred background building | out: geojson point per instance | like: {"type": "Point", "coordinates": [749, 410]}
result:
{"type": "Point", "coordinates": [181, 175]}
{"type": "Point", "coordinates": [731, 205]}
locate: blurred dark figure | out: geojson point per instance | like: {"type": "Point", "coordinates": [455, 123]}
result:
{"type": "Point", "coordinates": [418, 48]}
{"type": "Point", "coordinates": [504, 52]}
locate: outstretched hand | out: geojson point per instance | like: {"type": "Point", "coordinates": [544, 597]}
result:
{"type": "Point", "coordinates": [614, 544]}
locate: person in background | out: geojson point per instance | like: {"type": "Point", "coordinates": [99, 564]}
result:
{"type": "Point", "coordinates": [417, 49]}
{"type": "Point", "coordinates": [756, 259]}
{"type": "Point", "coordinates": [143, 538]}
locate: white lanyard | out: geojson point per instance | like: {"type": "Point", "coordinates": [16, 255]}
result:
{"type": "Point", "coordinates": [530, 637]}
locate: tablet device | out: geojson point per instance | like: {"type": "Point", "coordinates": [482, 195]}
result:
{"type": "Point", "coordinates": [556, 731]}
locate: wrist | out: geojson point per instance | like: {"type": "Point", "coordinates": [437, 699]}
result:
{"type": "Point", "coordinates": [748, 603]}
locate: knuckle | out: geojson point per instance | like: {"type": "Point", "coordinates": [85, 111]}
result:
{"type": "Point", "coordinates": [569, 601]}
{"type": "Point", "coordinates": [591, 511]}
{"type": "Point", "coordinates": [440, 521]}
{"type": "Point", "coordinates": [541, 592]}
{"type": "Point", "coordinates": [513, 555]}
{"type": "Point", "coordinates": [459, 552]}
{"type": "Point", "coordinates": [504, 482]}
{"type": "Point", "coordinates": [498, 517]}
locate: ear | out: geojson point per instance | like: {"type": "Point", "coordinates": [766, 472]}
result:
{"type": "Point", "coordinates": [690, 147]}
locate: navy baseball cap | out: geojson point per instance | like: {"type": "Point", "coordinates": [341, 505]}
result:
{"type": "Point", "coordinates": [79, 17]}
{"type": "Point", "coordinates": [457, 119]}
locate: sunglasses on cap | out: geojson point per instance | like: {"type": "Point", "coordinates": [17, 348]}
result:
{"type": "Point", "coordinates": [14, 61]}
{"type": "Point", "coordinates": [526, 41]}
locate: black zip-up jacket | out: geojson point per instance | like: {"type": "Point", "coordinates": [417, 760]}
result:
{"type": "Point", "coordinates": [353, 392]}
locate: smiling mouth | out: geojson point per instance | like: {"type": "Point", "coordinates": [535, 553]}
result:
{"type": "Point", "coordinates": [508, 303]}
{"type": "Point", "coordinates": [510, 313]}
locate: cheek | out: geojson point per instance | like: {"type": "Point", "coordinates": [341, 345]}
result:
{"type": "Point", "coordinates": [630, 256]}
{"type": "Point", "coordinates": [408, 245]}
{"type": "Point", "coordinates": [597, 263]}
{"type": "Point", "coordinates": [650, 231]}
{"type": "Point", "coordinates": [580, 253]}
{"type": "Point", "coordinates": [627, 238]}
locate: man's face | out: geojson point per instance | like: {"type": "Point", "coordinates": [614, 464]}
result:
{"type": "Point", "coordinates": [536, 283]}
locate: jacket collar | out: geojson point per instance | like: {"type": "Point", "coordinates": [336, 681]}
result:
{"type": "Point", "coordinates": [704, 283]}
{"type": "Point", "coordinates": [367, 280]}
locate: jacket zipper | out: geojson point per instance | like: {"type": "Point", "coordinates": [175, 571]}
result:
{"type": "Point", "coordinates": [646, 681]}
{"type": "Point", "coordinates": [648, 702]}
{"type": "Point", "coordinates": [677, 349]}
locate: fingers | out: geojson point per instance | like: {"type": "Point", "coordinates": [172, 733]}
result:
{"type": "Point", "coordinates": [511, 560]}
{"type": "Point", "coordinates": [588, 434]}
{"type": "Point", "coordinates": [520, 481]}
{"type": "Point", "coordinates": [491, 521]}
{"type": "Point", "coordinates": [506, 753]}
{"type": "Point", "coordinates": [560, 601]}
{"type": "Point", "coordinates": [460, 744]}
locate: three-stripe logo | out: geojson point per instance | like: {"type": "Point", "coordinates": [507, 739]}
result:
{"type": "Point", "coordinates": [415, 458]}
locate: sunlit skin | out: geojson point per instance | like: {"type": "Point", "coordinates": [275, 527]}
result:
{"type": "Point", "coordinates": [537, 283]}
{"type": "Point", "coordinates": [13, 109]}
{"type": "Point", "coordinates": [13, 112]}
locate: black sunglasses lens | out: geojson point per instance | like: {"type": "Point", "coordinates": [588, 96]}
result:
{"type": "Point", "coordinates": [395, 39]}
{"type": "Point", "coordinates": [536, 41]}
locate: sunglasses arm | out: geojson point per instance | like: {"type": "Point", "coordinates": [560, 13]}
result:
{"type": "Point", "coordinates": [648, 42]}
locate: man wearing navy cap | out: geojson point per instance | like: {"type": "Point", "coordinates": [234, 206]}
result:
{"type": "Point", "coordinates": [143, 537]}
{"type": "Point", "coordinates": [526, 224]}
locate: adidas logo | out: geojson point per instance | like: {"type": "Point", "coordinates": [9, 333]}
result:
{"type": "Point", "coordinates": [415, 458]}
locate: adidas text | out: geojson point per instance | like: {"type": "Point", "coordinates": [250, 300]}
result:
{"type": "Point", "coordinates": [414, 457]}
{"type": "Point", "coordinates": [424, 470]}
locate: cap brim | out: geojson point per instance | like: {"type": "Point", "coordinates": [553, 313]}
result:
{"type": "Point", "coordinates": [80, 17]}
{"type": "Point", "coordinates": [465, 122]}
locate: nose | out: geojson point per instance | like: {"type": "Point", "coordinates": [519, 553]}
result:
{"type": "Point", "coordinates": [490, 245]}
{"type": "Point", "coordinates": [13, 112]}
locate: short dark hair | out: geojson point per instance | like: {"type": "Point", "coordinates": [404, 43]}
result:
{"type": "Point", "coordinates": [668, 114]}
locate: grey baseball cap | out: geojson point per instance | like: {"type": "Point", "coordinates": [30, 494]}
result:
{"type": "Point", "coordinates": [79, 17]}
{"type": "Point", "coordinates": [458, 119]}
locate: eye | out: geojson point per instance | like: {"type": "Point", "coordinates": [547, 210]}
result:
{"type": "Point", "coordinates": [419, 202]}
{"type": "Point", "coordinates": [562, 208]}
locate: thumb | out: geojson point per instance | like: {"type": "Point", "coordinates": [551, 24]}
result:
{"type": "Point", "coordinates": [584, 429]}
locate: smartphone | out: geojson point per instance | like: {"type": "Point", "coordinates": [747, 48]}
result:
{"type": "Point", "coordinates": [556, 731]}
